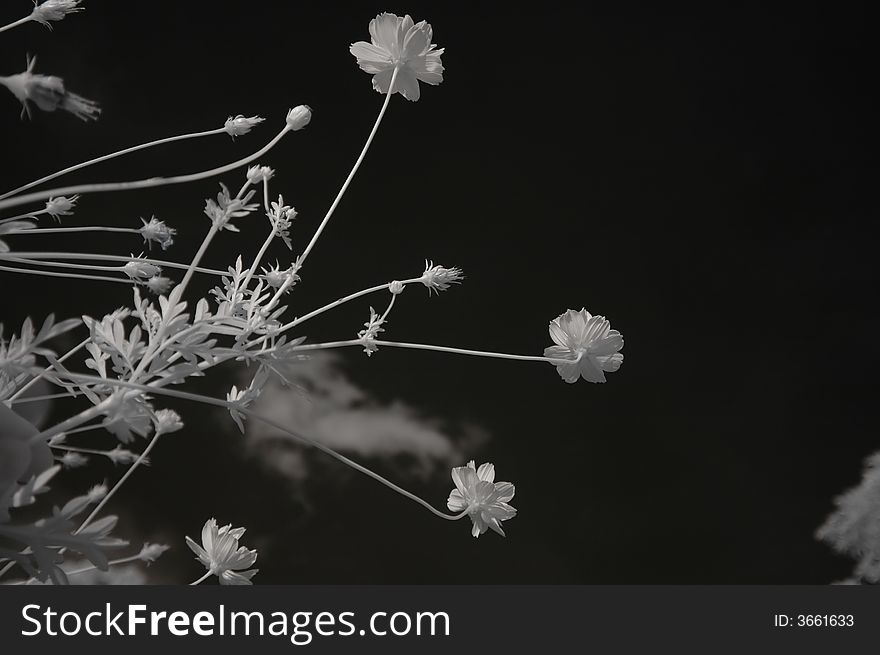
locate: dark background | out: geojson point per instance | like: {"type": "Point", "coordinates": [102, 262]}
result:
{"type": "Point", "coordinates": [700, 179]}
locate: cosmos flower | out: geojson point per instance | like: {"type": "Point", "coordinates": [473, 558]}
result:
{"type": "Point", "coordinates": [54, 10]}
{"type": "Point", "coordinates": [158, 231]}
{"type": "Point", "coordinates": [166, 421]}
{"type": "Point", "coordinates": [61, 206]}
{"type": "Point", "coordinates": [240, 125]}
{"type": "Point", "coordinates": [48, 93]}
{"type": "Point", "coordinates": [589, 342]}
{"type": "Point", "coordinates": [485, 500]}
{"type": "Point", "coordinates": [397, 42]}
{"type": "Point", "coordinates": [222, 556]}
{"type": "Point", "coordinates": [299, 117]}
{"type": "Point", "coordinates": [438, 278]}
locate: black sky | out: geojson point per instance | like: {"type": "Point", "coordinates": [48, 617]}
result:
{"type": "Point", "coordinates": [706, 181]}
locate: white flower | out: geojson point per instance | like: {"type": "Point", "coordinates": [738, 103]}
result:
{"type": "Point", "coordinates": [397, 42]}
{"type": "Point", "coordinates": [48, 93]}
{"type": "Point", "coordinates": [396, 287]}
{"type": "Point", "coordinates": [54, 10]}
{"type": "Point", "coordinates": [589, 342]}
{"type": "Point", "coordinates": [256, 174]}
{"type": "Point", "coordinates": [72, 460]}
{"type": "Point", "coordinates": [158, 231]}
{"type": "Point", "coordinates": [138, 268]}
{"type": "Point", "coordinates": [167, 421]}
{"type": "Point", "coordinates": [61, 206]}
{"type": "Point", "coordinates": [120, 455]}
{"type": "Point", "coordinates": [97, 492]}
{"type": "Point", "coordinates": [222, 556]}
{"type": "Point", "coordinates": [159, 284]}
{"type": "Point", "coordinates": [240, 125]}
{"type": "Point", "coordinates": [438, 278]}
{"type": "Point", "coordinates": [151, 552]}
{"type": "Point", "coordinates": [485, 500]}
{"type": "Point", "coordinates": [299, 117]}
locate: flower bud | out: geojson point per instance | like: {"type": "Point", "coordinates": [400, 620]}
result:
{"type": "Point", "coordinates": [299, 117]}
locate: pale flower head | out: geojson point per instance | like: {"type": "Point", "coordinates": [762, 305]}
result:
{"type": "Point", "coordinates": [257, 174]}
{"type": "Point", "coordinates": [239, 125]}
{"type": "Point", "coordinates": [159, 284]}
{"type": "Point", "coordinates": [439, 278]}
{"type": "Point", "coordinates": [138, 268]}
{"type": "Point", "coordinates": [399, 43]}
{"type": "Point", "coordinates": [222, 556]}
{"type": "Point", "coordinates": [485, 500]}
{"type": "Point", "coordinates": [48, 93]}
{"type": "Point", "coordinates": [158, 231]}
{"type": "Point", "coordinates": [61, 206]}
{"type": "Point", "coordinates": [167, 421]}
{"type": "Point", "coordinates": [54, 10]}
{"type": "Point", "coordinates": [588, 342]}
{"type": "Point", "coordinates": [299, 117]}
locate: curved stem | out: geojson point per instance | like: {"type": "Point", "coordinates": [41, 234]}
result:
{"type": "Point", "coordinates": [200, 580]}
{"type": "Point", "coordinates": [89, 228]}
{"type": "Point", "coordinates": [65, 356]}
{"type": "Point", "coordinates": [22, 256]}
{"type": "Point", "coordinates": [140, 184]}
{"type": "Point", "coordinates": [118, 153]}
{"type": "Point", "coordinates": [354, 169]}
{"type": "Point", "coordinates": [217, 402]}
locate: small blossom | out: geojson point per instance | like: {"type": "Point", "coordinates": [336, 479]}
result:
{"type": "Point", "coordinates": [61, 206]}
{"type": "Point", "coordinates": [54, 10]}
{"type": "Point", "coordinates": [277, 278]}
{"type": "Point", "coordinates": [373, 328]}
{"type": "Point", "coordinates": [122, 456]}
{"type": "Point", "coordinates": [438, 278]}
{"type": "Point", "coordinates": [72, 460]}
{"type": "Point", "coordinates": [138, 268]}
{"type": "Point", "coordinates": [240, 125]}
{"type": "Point", "coordinates": [398, 43]}
{"type": "Point", "coordinates": [396, 287]}
{"type": "Point", "coordinates": [589, 342]}
{"type": "Point", "coordinates": [159, 285]}
{"type": "Point", "coordinates": [257, 174]}
{"type": "Point", "coordinates": [151, 552]}
{"type": "Point", "coordinates": [222, 556]}
{"type": "Point", "coordinates": [485, 500]}
{"type": "Point", "coordinates": [167, 421]}
{"type": "Point", "coordinates": [299, 117]}
{"type": "Point", "coordinates": [97, 493]}
{"type": "Point", "coordinates": [158, 231]}
{"type": "Point", "coordinates": [48, 93]}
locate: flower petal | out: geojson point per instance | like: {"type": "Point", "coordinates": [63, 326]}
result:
{"type": "Point", "coordinates": [504, 491]}
{"type": "Point", "coordinates": [590, 370]}
{"type": "Point", "coordinates": [233, 578]}
{"type": "Point", "coordinates": [383, 30]}
{"type": "Point", "coordinates": [456, 502]}
{"type": "Point", "coordinates": [407, 84]}
{"type": "Point", "coordinates": [486, 472]}
{"type": "Point", "coordinates": [611, 363]}
{"type": "Point", "coordinates": [371, 59]}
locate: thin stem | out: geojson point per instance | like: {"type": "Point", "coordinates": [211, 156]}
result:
{"type": "Point", "coordinates": [112, 562]}
{"type": "Point", "coordinates": [107, 258]}
{"type": "Point", "coordinates": [73, 421]}
{"type": "Point", "coordinates": [200, 580]}
{"type": "Point", "coordinates": [217, 402]}
{"type": "Point", "coordinates": [354, 169]}
{"type": "Point", "coordinates": [89, 228]}
{"type": "Point", "coordinates": [102, 278]}
{"type": "Point", "coordinates": [21, 216]}
{"type": "Point", "coordinates": [36, 399]}
{"type": "Point", "coordinates": [118, 153]}
{"type": "Point", "coordinates": [20, 21]}
{"type": "Point", "coordinates": [140, 184]}
{"type": "Point", "coordinates": [191, 269]}
{"type": "Point", "coordinates": [119, 483]}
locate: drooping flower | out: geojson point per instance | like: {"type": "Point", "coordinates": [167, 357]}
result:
{"type": "Point", "coordinates": [240, 125]}
{"type": "Point", "coordinates": [438, 278]}
{"type": "Point", "coordinates": [158, 231]}
{"type": "Point", "coordinates": [588, 342]}
{"type": "Point", "coordinates": [54, 10]}
{"type": "Point", "coordinates": [48, 93]}
{"type": "Point", "coordinates": [166, 421]}
{"type": "Point", "coordinates": [299, 117]}
{"type": "Point", "coordinates": [398, 43]}
{"type": "Point", "coordinates": [485, 500]}
{"type": "Point", "coordinates": [222, 556]}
